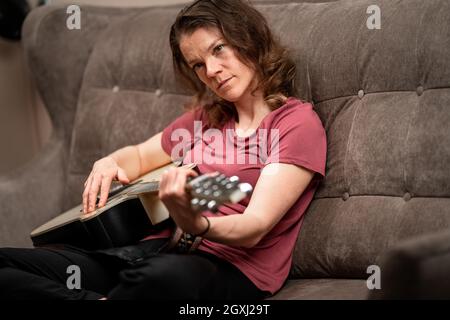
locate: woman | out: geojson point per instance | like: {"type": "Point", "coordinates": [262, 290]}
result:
{"type": "Point", "coordinates": [244, 85]}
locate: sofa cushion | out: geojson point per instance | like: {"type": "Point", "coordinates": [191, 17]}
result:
{"type": "Point", "coordinates": [323, 289]}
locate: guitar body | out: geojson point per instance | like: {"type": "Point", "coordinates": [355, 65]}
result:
{"type": "Point", "coordinates": [127, 217]}
{"type": "Point", "coordinates": [124, 224]}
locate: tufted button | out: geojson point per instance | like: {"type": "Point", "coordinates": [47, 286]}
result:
{"type": "Point", "coordinates": [345, 196]}
{"type": "Point", "coordinates": [115, 89]}
{"type": "Point", "coordinates": [419, 90]}
{"type": "Point", "coordinates": [158, 92]}
{"type": "Point", "coordinates": [361, 94]}
{"type": "Point", "coordinates": [407, 196]}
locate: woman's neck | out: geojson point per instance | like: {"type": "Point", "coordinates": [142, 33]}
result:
{"type": "Point", "coordinates": [250, 112]}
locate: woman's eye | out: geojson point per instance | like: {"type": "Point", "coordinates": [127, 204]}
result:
{"type": "Point", "coordinates": [219, 47]}
{"type": "Point", "coordinates": [195, 66]}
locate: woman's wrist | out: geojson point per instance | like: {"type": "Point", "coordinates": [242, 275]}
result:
{"type": "Point", "coordinates": [206, 225]}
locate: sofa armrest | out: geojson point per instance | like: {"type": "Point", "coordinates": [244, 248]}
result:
{"type": "Point", "coordinates": [32, 194]}
{"type": "Point", "coordinates": [416, 269]}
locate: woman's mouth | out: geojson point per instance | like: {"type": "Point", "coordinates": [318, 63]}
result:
{"type": "Point", "coordinates": [223, 83]}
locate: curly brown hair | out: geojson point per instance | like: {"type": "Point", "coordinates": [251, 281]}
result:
{"type": "Point", "coordinates": [248, 33]}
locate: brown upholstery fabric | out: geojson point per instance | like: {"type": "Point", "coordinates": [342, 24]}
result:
{"type": "Point", "coordinates": [382, 95]}
{"type": "Point", "coordinates": [323, 289]}
{"type": "Point", "coordinates": [416, 269]}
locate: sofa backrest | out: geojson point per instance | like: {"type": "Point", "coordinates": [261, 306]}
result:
{"type": "Point", "coordinates": [382, 95]}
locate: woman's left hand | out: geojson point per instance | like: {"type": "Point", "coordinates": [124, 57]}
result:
{"type": "Point", "coordinates": [172, 192]}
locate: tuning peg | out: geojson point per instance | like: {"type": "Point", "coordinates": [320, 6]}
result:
{"type": "Point", "coordinates": [195, 203]}
{"type": "Point", "coordinates": [243, 190]}
{"type": "Point", "coordinates": [220, 177]}
{"type": "Point", "coordinates": [234, 179]}
{"type": "Point", "coordinates": [246, 188]}
{"type": "Point", "coordinates": [212, 206]}
{"type": "Point", "coordinates": [228, 186]}
{"type": "Point", "coordinates": [207, 184]}
{"type": "Point", "coordinates": [198, 190]}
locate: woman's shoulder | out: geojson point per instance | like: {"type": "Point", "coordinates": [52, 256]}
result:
{"type": "Point", "coordinates": [293, 111]}
{"type": "Point", "coordinates": [294, 104]}
{"type": "Point", "coordinates": [191, 114]}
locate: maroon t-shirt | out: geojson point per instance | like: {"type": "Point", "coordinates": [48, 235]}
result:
{"type": "Point", "coordinates": [291, 134]}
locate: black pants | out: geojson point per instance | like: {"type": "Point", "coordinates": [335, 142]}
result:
{"type": "Point", "coordinates": [45, 273]}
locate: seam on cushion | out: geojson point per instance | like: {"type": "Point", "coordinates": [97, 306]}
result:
{"type": "Point", "coordinates": [377, 92]}
{"type": "Point", "coordinates": [416, 44]}
{"type": "Point", "coordinates": [308, 76]}
{"type": "Point", "coordinates": [313, 28]}
{"type": "Point", "coordinates": [148, 91]}
{"type": "Point", "coordinates": [358, 43]}
{"type": "Point", "coordinates": [415, 111]}
{"type": "Point", "coordinates": [347, 187]}
{"type": "Point", "coordinates": [406, 144]}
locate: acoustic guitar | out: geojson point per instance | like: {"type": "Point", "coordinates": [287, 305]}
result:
{"type": "Point", "coordinates": [134, 211]}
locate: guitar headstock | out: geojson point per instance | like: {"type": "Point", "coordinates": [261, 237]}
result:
{"type": "Point", "coordinates": [209, 191]}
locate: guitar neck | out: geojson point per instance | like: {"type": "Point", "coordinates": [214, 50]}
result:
{"type": "Point", "coordinates": [208, 191]}
{"type": "Point", "coordinates": [145, 187]}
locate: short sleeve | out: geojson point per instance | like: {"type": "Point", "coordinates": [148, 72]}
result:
{"type": "Point", "coordinates": [298, 137]}
{"type": "Point", "coordinates": [179, 135]}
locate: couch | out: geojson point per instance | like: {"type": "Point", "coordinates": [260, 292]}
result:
{"type": "Point", "coordinates": [378, 227]}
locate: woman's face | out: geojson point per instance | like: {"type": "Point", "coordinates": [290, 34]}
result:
{"type": "Point", "coordinates": [216, 64]}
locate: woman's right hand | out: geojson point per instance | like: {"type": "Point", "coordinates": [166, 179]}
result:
{"type": "Point", "coordinates": [103, 173]}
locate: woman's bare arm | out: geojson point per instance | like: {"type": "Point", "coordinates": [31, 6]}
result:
{"type": "Point", "coordinates": [278, 188]}
{"type": "Point", "coordinates": [139, 159]}
{"type": "Point", "coordinates": [126, 165]}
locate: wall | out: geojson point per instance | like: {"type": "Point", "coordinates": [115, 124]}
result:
{"type": "Point", "coordinates": [24, 123]}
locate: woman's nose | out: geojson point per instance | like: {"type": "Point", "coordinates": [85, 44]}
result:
{"type": "Point", "coordinates": [212, 67]}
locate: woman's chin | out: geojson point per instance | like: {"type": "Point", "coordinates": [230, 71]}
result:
{"type": "Point", "coordinates": [229, 96]}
